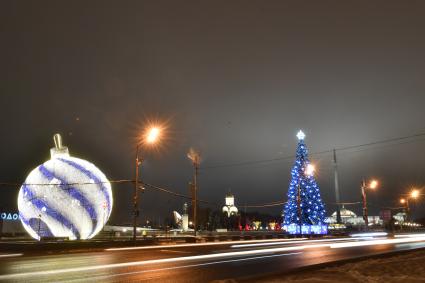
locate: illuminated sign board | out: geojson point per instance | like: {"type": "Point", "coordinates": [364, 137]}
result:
{"type": "Point", "coordinates": [9, 216]}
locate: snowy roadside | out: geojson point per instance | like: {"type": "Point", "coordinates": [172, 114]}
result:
{"type": "Point", "coordinates": [406, 268]}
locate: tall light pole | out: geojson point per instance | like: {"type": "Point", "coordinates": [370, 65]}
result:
{"type": "Point", "coordinates": [194, 156]}
{"type": "Point", "coordinates": [150, 137]}
{"type": "Point", "coordinates": [337, 199]}
{"type": "Point", "coordinates": [371, 185]}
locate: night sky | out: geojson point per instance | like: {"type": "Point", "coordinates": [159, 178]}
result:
{"type": "Point", "coordinates": [234, 79]}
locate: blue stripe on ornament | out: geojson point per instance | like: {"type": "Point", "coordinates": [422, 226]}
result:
{"type": "Point", "coordinates": [91, 176]}
{"type": "Point", "coordinates": [74, 193]}
{"type": "Point", "coordinates": [29, 196]}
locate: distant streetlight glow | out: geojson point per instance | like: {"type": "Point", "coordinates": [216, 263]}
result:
{"type": "Point", "coordinates": [373, 184]}
{"type": "Point", "coordinates": [309, 171]}
{"type": "Point", "coordinates": [152, 135]}
{"type": "Point", "coordinates": [414, 194]}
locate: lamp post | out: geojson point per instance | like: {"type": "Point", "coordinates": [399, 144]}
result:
{"type": "Point", "coordinates": [372, 185]}
{"type": "Point", "coordinates": [150, 137]}
{"type": "Point", "coordinates": [194, 156]}
{"type": "Point", "coordinates": [405, 203]}
{"type": "Point", "coordinates": [337, 198]}
{"type": "Point", "coordinates": [299, 205]}
{"type": "Point", "coordinates": [414, 194]}
{"type": "Point", "coordinates": [39, 225]}
{"type": "Point", "coordinates": [309, 171]}
{"type": "Point", "coordinates": [104, 206]}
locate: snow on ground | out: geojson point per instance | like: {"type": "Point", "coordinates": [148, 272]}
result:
{"type": "Point", "coordinates": [406, 268]}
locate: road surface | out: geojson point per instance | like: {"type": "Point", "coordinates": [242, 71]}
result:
{"type": "Point", "coordinates": [241, 260]}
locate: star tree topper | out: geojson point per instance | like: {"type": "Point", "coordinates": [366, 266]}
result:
{"type": "Point", "coordinates": [301, 135]}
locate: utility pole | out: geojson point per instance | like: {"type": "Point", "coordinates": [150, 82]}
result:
{"type": "Point", "coordinates": [151, 137]}
{"type": "Point", "coordinates": [195, 158]}
{"type": "Point", "coordinates": [136, 196]}
{"type": "Point", "coordinates": [363, 189]}
{"type": "Point", "coordinates": [337, 198]}
{"type": "Point", "coordinates": [299, 205]}
{"type": "Point", "coordinates": [373, 184]}
{"type": "Point", "coordinates": [246, 219]}
{"type": "Point", "coordinates": [39, 225]}
{"type": "Point", "coordinates": [195, 189]}
{"type": "Point", "coordinates": [407, 210]}
{"type": "Point", "coordinates": [193, 202]}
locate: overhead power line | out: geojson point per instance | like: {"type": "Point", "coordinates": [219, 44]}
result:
{"type": "Point", "coordinates": [271, 204]}
{"type": "Point", "coordinates": [161, 189]}
{"type": "Point", "coordinates": [15, 184]}
{"type": "Point", "coordinates": [175, 194]}
{"type": "Point", "coordinates": [145, 185]}
{"type": "Point", "coordinates": [290, 157]}
{"type": "Point", "coordinates": [264, 205]}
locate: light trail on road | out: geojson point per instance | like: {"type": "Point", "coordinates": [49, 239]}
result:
{"type": "Point", "coordinates": [377, 242]}
{"type": "Point", "coordinates": [182, 266]}
{"type": "Point", "coordinates": [146, 262]}
{"type": "Point", "coordinates": [237, 255]}
{"type": "Point", "coordinates": [295, 240]}
{"type": "Point", "coordinates": [287, 243]}
{"type": "Point", "coordinates": [409, 235]}
{"type": "Point", "coordinates": [10, 255]}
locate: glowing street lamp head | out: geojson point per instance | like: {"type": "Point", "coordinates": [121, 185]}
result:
{"type": "Point", "coordinates": [373, 184]}
{"type": "Point", "coordinates": [402, 201]}
{"type": "Point", "coordinates": [309, 171]}
{"type": "Point", "coordinates": [414, 194]}
{"type": "Point", "coordinates": [300, 135]}
{"type": "Point", "coordinates": [194, 156]}
{"type": "Point", "coordinates": [152, 135]}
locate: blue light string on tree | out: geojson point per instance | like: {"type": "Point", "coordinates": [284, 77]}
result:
{"type": "Point", "coordinates": [307, 216]}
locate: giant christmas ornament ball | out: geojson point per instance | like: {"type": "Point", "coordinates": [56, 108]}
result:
{"type": "Point", "coordinates": [65, 197]}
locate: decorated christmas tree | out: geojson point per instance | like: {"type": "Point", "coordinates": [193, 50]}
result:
{"type": "Point", "coordinates": [304, 211]}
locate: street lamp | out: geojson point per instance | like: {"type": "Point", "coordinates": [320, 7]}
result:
{"type": "Point", "coordinates": [405, 203]}
{"type": "Point", "coordinates": [414, 194]}
{"type": "Point", "coordinates": [150, 137]}
{"type": "Point", "coordinates": [195, 157]}
{"type": "Point", "coordinates": [373, 184]}
{"type": "Point", "coordinates": [309, 172]}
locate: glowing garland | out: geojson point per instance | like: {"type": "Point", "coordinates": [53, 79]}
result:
{"type": "Point", "coordinates": [307, 217]}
